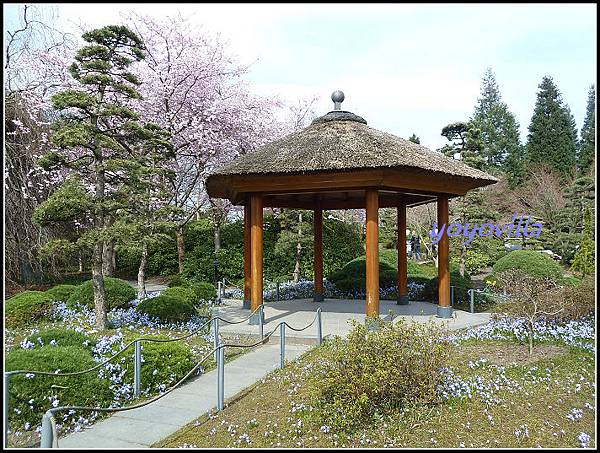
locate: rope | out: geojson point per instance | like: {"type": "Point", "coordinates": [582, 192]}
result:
{"type": "Point", "coordinates": [156, 398]}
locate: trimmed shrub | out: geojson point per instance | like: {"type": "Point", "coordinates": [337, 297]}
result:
{"type": "Point", "coordinates": [579, 300]}
{"type": "Point", "coordinates": [62, 337]}
{"type": "Point", "coordinates": [461, 286]}
{"type": "Point", "coordinates": [181, 292]}
{"type": "Point", "coordinates": [27, 307]}
{"type": "Point", "coordinates": [376, 372]}
{"type": "Point", "coordinates": [30, 398]}
{"type": "Point", "coordinates": [61, 293]}
{"type": "Point", "coordinates": [119, 294]}
{"type": "Point", "coordinates": [204, 291]}
{"type": "Point", "coordinates": [167, 308]}
{"type": "Point", "coordinates": [531, 262]}
{"type": "Point", "coordinates": [163, 363]}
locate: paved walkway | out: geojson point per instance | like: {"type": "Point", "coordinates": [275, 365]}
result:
{"type": "Point", "coordinates": [336, 315]}
{"type": "Point", "coordinates": [140, 428]}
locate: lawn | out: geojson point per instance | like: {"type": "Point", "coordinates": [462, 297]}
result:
{"type": "Point", "coordinates": [493, 394]}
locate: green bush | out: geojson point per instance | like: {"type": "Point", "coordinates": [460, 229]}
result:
{"type": "Point", "coordinates": [204, 291]}
{"type": "Point", "coordinates": [84, 390]}
{"type": "Point", "coordinates": [61, 293]}
{"type": "Point", "coordinates": [171, 361]}
{"type": "Point", "coordinates": [62, 337]}
{"type": "Point", "coordinates": [167, 308]}
{"type": "Point", "coordinates": [461, 286]}
{"type": "Point", "coordinates": [27, 307]}
{"type": "Point", "coordinates": [185, 293]}
{"type": "Point", "coordinates": [531, 262]}
{"type": "Point", "coordinates": [376, 372]}
{"type": "Point", "coordinates": [118, 294]}
{"type": "Point", "coordinates": [579, 300]}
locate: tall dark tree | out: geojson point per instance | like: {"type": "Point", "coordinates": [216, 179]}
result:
{"type": "Point", "coordinates": [96, 139]}
{"type": "Point", "coordinates": [413, 138]}
{"type": "Point", "coordinates": [498, 126]}
{"type": "Point", "coordinates": [587, 143]}
{"type": "Point", "coordinates": [466, 143]}
{"type": "Point", "coordinates": [552, 138]}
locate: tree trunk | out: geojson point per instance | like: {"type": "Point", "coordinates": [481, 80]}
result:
{"type": "Point", "coordinates": [463, 258]}
{"type": "Point", "coordinates": [298, 250]}
{"type": "Point", "coordinates": [98, 281]}
{"type": "Point", "coordinates": [180, 248]}
{"type": "Point", "coordinates": [530, 338]}
{"type": "Point", "coordinates": [80, 262]}
{"type": "Point", "coordinates": [108, 258]}
{"type": "Point", "coordinates": [142, 272]}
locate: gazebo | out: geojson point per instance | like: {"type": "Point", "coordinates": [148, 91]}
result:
{"type": "Point", "coordinates": [338, 162]}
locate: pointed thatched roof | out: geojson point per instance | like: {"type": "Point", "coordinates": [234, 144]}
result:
{"type": "Point", "coordinates": [344, 144]}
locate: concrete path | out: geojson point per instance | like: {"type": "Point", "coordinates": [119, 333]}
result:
{"type": "Point", "coordinates": [140, 428]}
{"type": "Point", "coordinates": [336, 315]}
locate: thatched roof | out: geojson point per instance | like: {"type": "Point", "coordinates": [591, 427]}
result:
{"type": "Point", "coordinates": [341, 141]}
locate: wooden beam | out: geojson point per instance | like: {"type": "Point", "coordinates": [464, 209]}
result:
{"type": "Point", "coordinates": [372, 253]}
{"type": "Point", "coordinates": [256, 243]}
{"type": "Point", "coordinates": [444, 309]}
{"type": "Point", "coordinates": [318, 252]}
{"type": "Point", "coordinates": [247, 255]}
{"type": "Point", "coordinates": [385, 201]}
{"type": "Point", "coordinates": [402, 263]}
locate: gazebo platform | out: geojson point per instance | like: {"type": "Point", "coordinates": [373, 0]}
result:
{"type": "Point", "coordinates": [336, 315]}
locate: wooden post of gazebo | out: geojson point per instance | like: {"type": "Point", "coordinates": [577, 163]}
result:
{"type": "Point", "coordinates": [256, 247]}
{"type": "Point", "coordinates": [402, 264]}
{"type": "Point", "coordinates": [247, 255]}
{"type": "Point", "coordinates": [372, 252]}
{"type": "Point", "coordinates": [318, 252]}
{"type": "Point", "coordinates": [444, 309]}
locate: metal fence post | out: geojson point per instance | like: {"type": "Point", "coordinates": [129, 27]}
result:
{"type": "Point", "coordinates": [319, 326]}
{"type": "Point", "coordinates": [47, 432]}
{"type": "Point", "coordinates": [277, 292]}
{"type": "Point", "coordinates": [6, 396]}
{"type": "Point", "coordinates": [261, 320]}
{"type": "Point", "coordinates": [216, 334]}
{"type": "Point", "coordinates": [219, 292]}
{"type": "Point", "coordinates": [137, 369]}
{"type": "Point", "coordinates": [452, 296]}
{"type": "Point", "coordinates": [472, 291]}
{"type": "Point", "coordinates": [281, 345]}
{"type": "Point", "coordinates": [221, 379]}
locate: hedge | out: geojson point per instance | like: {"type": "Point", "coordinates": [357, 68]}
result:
{"type": "Point", "coordinates": [533, 263]}
{"type": "Point", "coordinates": [167, 308]}
{"type": "Point", "coordinates": [27, 307]}
{"type": "Point", "coordinates": [61, 293]}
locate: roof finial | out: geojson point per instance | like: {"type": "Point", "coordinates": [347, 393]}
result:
{"type": "Point", "coordinates": [337, 97]}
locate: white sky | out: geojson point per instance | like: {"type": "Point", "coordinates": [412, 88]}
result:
{"type": "Point", "coordinates": [404, 68]}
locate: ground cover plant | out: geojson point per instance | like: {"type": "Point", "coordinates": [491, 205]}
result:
{"type": "Point", "coordinates": [65, 339]}
{"type": "Point", "coordinates": [489, 393]}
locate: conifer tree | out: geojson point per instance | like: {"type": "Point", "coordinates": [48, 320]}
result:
{"type": "Point", "coordinates": [413, 138]}
{"type": "Point", "coordinates": [96, 137]}
{"type": "Point", "coordinates": [498, 126]}
{"type": "Point", "coordinates": [587, 143]}
{"type": "Point", "coordinates": [466, 143]}
{"type": "Point", "coordinates": [552, 138]}
{"type": "Point", "coordinates": [584, 258]}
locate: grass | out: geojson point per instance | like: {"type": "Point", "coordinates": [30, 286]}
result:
{"type": "Point", "coordinates": [531, 411]}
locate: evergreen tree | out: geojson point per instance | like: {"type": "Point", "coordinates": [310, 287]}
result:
{"type": "Point", "coordinates": [552, 138]}
{"type": "Point", "coordinates": [584, 258]}
{"type": "Point", "coordinates": [587, 144]}
{"type": "Point", "coordinates": [96, 138]}
{"type": "Point", "coordinates": [466, 142]}
{"type": "Point", "coordinates": [413, 138]}
{"type": "Point", "coordinates": [498, 126]}
{"type": "Point", "coordinates": [514, 166]}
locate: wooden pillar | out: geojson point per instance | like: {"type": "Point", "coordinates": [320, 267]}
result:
{"type": "Point", "coordinates": [256, 247]}
{"type": "Point", "coordinates": [318, 252]}
{"type": "Point", "coordinates": [247, 255]}
{"type": "Point", "coordinates": [444, 309]}
{"type": "Point", "coordinates": [372, 252]}
{"type": "Point", "coordinates": [402, 263]}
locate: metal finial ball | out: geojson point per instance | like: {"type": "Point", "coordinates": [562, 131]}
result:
{"type": "Point", "coordinates": [337, 96]}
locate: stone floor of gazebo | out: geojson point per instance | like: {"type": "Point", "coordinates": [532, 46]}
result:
{"type": "Point", "coordinates": [336, 316]}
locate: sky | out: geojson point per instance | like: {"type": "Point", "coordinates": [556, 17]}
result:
{"type": "Point", "coordinates": [404, 68]}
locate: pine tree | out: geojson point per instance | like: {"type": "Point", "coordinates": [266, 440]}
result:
{"type": "Point", "coordinates": [413, 138]}
{"type": "Point", "coordinates": [584, 258]}
{"type": "Point", "coordinates": [466, 142]}
{"type": "Point", "coordinates": [498, 126]}
{"type": "Point", "coordinates": [552, 138]}
{"type": "Point", "coordinates": [96, 138]}
{"type": "Point", "coordinates": [587, 144]}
